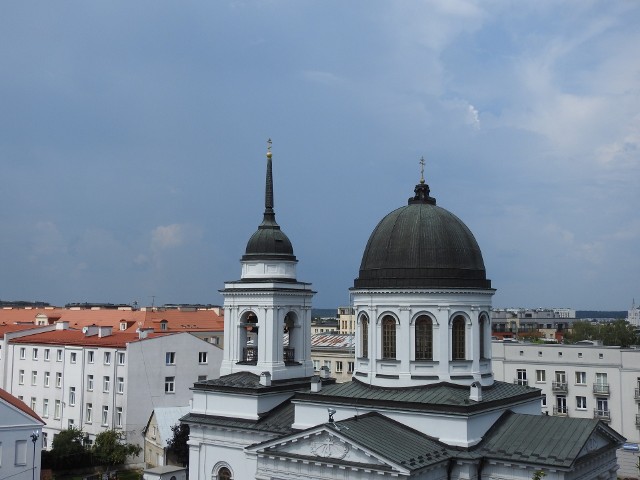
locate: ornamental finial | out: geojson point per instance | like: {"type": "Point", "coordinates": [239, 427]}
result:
{"type": "Point", "coordinates": [269, 154]}
{"type": "Point", "coordinates": [422, 169]}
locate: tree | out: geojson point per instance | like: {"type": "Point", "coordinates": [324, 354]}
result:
{"type": "Point", "coordinates": [110, 449]}
{"type": "Point", "coordinates": [619, 333]}
{"type": "Point", "coordinates": [178, 443]}
{"type": "Point", "coordinates": [67, 450]}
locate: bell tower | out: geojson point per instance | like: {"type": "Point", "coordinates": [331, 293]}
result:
{"type": "Point", "coordinates": [267, 313]}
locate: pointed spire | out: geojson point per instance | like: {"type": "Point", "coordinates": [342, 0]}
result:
{"type": "Point", "coordinates": [269, 215]}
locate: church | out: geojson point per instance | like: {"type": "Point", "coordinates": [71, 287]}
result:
{"type": "Point", "coordinates": [422, 404]}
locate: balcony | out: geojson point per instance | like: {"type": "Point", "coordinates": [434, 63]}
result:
{"type": "Point", "coordinates": [604, 415]}
{"type": "Point", "coordinates": [559, 387]}
{"type": "Point", "coordinates": [601, 388]}
{"type": "Point", "coordinates": [250, 356]}
{"type": "Point", "coordinates": [289, 355]}
{"type": "Point", "coordinates": [560, 411]}
{"type": "Point", "coordinates": [521, 381]}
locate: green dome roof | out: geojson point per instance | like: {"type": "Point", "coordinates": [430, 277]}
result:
{"type": "Point", "coordinates": [422, 246]}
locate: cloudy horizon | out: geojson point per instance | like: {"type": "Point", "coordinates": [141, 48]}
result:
{"type": "Point", "coordinates": [133, 139]}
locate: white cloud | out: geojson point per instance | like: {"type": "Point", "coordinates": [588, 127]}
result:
{"type": "Point", "coordinates": [167, 236]}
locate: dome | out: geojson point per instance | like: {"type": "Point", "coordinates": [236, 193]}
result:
{"type": "Point", "coordinates": [422, 246]}
{"type": "Point", "coordinates": [269, 243]}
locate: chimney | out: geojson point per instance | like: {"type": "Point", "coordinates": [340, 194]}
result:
{"type": "Point", "coordinates": [316, 384]}
{"type": "Point", "coordinates": [475, 393]}
{"type": "Point", "coordinates": [265, 379]}
{"type": "Point", "coordinates": [60, 325]}
{"type": "Point", "coordinates": [144, 332]}
{"type": "Point", "coordinates": [324, 372]}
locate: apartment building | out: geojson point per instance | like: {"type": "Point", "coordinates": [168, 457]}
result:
{"type": "Point", "coordinates": [580, 381]}
{"type": "Point", "coordinates": [334, 351]}
{"type": "Point", "coordinates": [346, 320]}
{"type": "Point", "coordinates": [96, 378]}
{"type": "Point", "coordinates": [548, 323]}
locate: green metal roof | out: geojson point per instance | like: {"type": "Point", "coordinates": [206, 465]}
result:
{"type": "Point", "coordinates": [438, 397]}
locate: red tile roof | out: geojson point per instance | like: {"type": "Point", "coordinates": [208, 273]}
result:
{"type": "Point", "coordinates": [177, 320]}
{"type": "Point", "coordinates": [19, 404]}
{"type": "Point", "coordinates": [77, 337]}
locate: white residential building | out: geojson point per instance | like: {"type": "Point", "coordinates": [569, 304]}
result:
{"type": "Point", "coordinates": [580, 381]}
{"type": "Point", "coordinates": [95, 379]}
{"type": "Point", "coordinates": [20, 439]}
{"type": "Point", "coordinates": [633, 315]}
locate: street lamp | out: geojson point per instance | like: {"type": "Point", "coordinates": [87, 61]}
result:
{"type": "Point", "coordinates": [34, 438]}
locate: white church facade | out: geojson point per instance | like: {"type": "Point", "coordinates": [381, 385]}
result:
{"type": "Point", "coordinates": [422, 404]}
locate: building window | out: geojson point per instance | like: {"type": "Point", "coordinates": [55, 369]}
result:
{"type": "Point", "coordinates": [424, 338]}
{"type": "Point", "coordinates": [34, 354]}
{"type": "Point", "coordinates": [34, 377]}
{"type": "Point", "coordinates": [89, 413]}
{"type": "Point", "coordinates": [33, 403]}
{"type": "Point", "coordinates": [71, 424]}
{"type": "Point", "coordinates": [169, 384]}
{"type": "Point", "coordinates": [45, 407]}
{"type": "Point", "coordinates": [561, 405]}
{"type": "Point", "coordinates": [521, 377]}
{"type": "Point", "coordinates": [21, 377]}
{"type": "Point", "coordinates": [58, 380]}
{"type": "Point", "coordinates": [338, 366]}
{"type": "Point", "coordinates": [559, 354]}
{"type": "Point", "coordinates": [581, 403]}
{"type": "Point", "coordinates": [46, 378]}
{"type": "Point", "coordinates": [202, 357]}
{"type": "Point", "coordinates": [46, 354]}
{"type": "Point", "coordinates": [541, 376]}
{"type": "Point", "coordinates": [581, 378]}
{"type": "Point", "coordinates": [224, 474]}
{"type": "Point", "coordinates": [601, 356]}
{"type": "Point", "coordinates": [23, 353]}
{"type": "Point", "coordinates": [59, 355]}
{"type": "Point", "coordinates": [170, 358]}
{"type": "Point", "coordinates": [105, 415]}
{"type": "Point", "coordinates": [45, 442]}
{"type": "Point", "coordinates": [57, 409]}
{"type": "Point", "coordinates": [120, 358]}
{"type": "Point", "coordinates": [106, 384]}
{"type": "Point", "coordinates": [73, 357]}
{"type": "Point", "coordinates": [72, 396]}
{"type": "Point", "coordinates": [90, 383]}
{"type": "Point", "coordinates": [579, 354]}
{"type": "Point", "coordinates": [458, 339]}
{"type": "Point", "coordinates": [119, 417]}
{"type": "Point", "coordinates": [388, 337]}
{"type": "Point", "coordinates": [90, 356]}
{"type": "Point", "coordinates": [316, 365]}
{"type": "Point", "coordinates": [539, 353]}
{"type": "Point", "coordinates": [202, 378]}
{"type": "Point", "coordinates": [327, 363]}
{"type": "Point", "coordinates": [364, 336]}
{"type": "Point", "coordinates": [21, 453]}
{"type": "Point", "coordinates": [351, 366]}
{"type": "Point", "coordinates": [163, 325]}
{"type": "Point", "coordinates": [120, 385]}
{"type": "Point", "coordinates": [107, 358]}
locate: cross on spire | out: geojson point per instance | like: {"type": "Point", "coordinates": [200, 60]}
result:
{"type": "Point", "coordinates": [422, 169]}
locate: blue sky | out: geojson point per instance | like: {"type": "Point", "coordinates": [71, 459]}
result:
{"type": "Point", "coordinates": [133, 139]}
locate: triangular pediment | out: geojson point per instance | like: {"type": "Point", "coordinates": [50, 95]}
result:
{"type": "Point", "coordinates": [325, 444]}
{"type": "Point", "coordinates": [600, 438]}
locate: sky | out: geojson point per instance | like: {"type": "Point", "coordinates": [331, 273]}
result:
{"type": "Point", "coordinates": [133, 139]}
